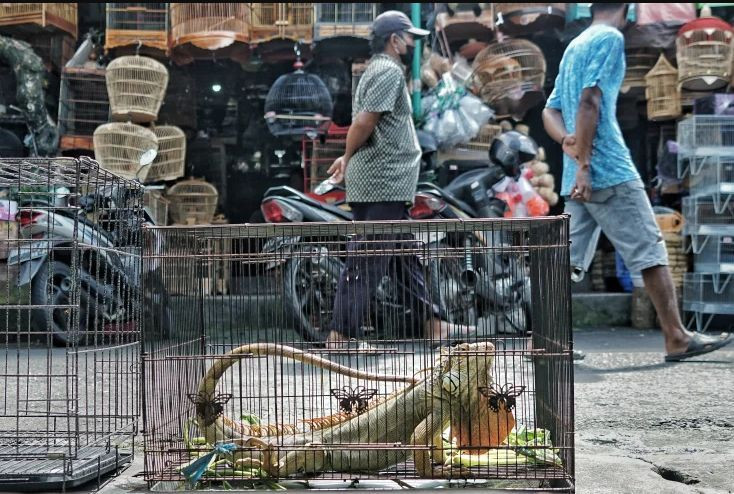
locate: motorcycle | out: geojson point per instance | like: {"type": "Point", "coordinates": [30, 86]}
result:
{"type": "Point", "coordinates": [108, 273]}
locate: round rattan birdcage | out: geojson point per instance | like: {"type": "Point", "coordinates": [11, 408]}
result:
{"type": "Point", "coordinates": [192, 202]}
{"type": "Point", "coordinates": [509, 70]}
{"type": "Point", "coordinates": [704, 54]}
{"type": "Point", "coordinates": [298, 104]}
{"type": "Point", "coordinates": [639, 61]}
{"type": "Point", "coordinates": [662, 92]}
{"type": "Point", "coordinates": [119, 147]}
{"type": "Point", "coordinates": [136, 86]}
{"type": "Point", "coordinates": [170, 162]}
{"type": "Point", "coordinates": [209, 26]}
{"type": "Point", "coordinates": [527, 18]}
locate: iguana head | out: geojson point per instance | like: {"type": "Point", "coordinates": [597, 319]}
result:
{"type": "Point", "coordinates": [465, 372]}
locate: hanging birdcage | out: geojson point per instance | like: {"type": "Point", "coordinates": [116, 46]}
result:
{"type": "Point", "coordinates": [662, 92]}
{"type": "Point", "coordinates": [170, 162]}
{"type": "Point", "coordinates": [132, 23]}
{"type": "Point", "coordinates": [639, 61]}
{"type": "Point", "coordinates": [209, 26]}
{"type": "Point", "coordinates": [192, 202]}
{"type": "Point", "coordinates": [83, 106]}
{"type": "Point", "coordinates": [120, 147]}
{"type": "Point", "coordinates": [136, 86]}
{"type": "Point", "coordinates": [34, 18]}
{"type": "Point", "coordinates": [271, 21]}
{"type": "Point", "coordinates": [509, 76]}
{"type": "Point", "coordinates": [704, 53]}
{"type": "Point", "coordinates": [526, 18]}
{"type": "Point", "coordinates": [298, 104]}
{"type": "Point", "coordinates": [344, 19]}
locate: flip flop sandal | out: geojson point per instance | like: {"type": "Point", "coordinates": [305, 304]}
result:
{"type": "Point", "coordinates": [699, 345]}
{"type": "Point", "coordinates": [353, 347]}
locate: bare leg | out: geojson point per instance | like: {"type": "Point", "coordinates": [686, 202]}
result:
{"type": "Point", "coordinates": [659, 285]}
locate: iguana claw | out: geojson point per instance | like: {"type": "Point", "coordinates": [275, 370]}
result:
{"type": "Point", "coordinates": [450, 472]}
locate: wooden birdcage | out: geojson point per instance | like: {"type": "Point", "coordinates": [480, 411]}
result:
{"type": "Point", "coordinates": [193, 202]}
{"type": "Point", "coordinates": [136, 86]}
{"type": "Point", "coordinates": [272, 21]}
{"type": "Point", "coordinates": [83, 106]}
{"type": "Point", "coordinates": [638, 62]}
{"type": "Point", "coordinates": [662, 91]}
{"type": "Point", "coordinates": [32, 18]}
{"type": "Point", "coordinates": [132, 23]}
{"type": "Point", "coordinates": [344, 19]}
{"type": "Point", "coordinates": [156, 206]}
{"type": "Point", "coordinates": [209, 26]}
{"type": "Point", "coordinates": [170, 162]}
{"type": "Point", "coordinates": [461, 24]}
{"type": "Point", "coordinates": [119, 147]}
{"type": "Point", "coordinates": [704, 54]}
{"type": "Point", "coordinates": [506, 66]}
{"type": "Point", "coordinates": [527, 18]}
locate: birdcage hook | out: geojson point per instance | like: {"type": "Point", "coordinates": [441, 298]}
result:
{"type": "Point", "coordinates": [137, 48]}
{"type": "Point", "coordinates": [297, 50]}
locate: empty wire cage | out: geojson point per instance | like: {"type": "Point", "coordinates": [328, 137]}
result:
{"type": "Point", "coordinates": [713, 253]}
{"type": "Point", "coordinates": [707, 295]}
{"type": "Point", "coordinates": [71, 310]}
{"type": "Point", "coordinates": [413, 406]}
{"type": "Point", "coordinates": [344, 19]}
{"type": "Point", "coordinates": [701, 217]}
{"type": "Point", "coordinates": [133, 23]}
{"type": "Point", "coordinates": [712, 176]}
{"type": "Point", "coordinates": [83, 106]}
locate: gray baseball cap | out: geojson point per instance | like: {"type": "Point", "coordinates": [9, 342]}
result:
{"type": "Point", "coordinates": [394, 21]}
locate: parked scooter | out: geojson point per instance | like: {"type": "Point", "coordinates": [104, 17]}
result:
{"type": "Point", "coordinates": [108, 280]}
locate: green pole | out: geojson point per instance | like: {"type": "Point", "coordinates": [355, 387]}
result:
{"type": "Point", "coordinates": [415, 11]}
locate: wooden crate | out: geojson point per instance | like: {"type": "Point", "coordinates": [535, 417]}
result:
{"type": "Point", "coordinates": [33, 18]}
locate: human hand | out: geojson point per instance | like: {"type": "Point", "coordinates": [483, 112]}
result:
{"type": "Point", "coordinates": [582, 190]}
{"type": "Point", "coordinates": [569, 146]}
{"type": "Point", "coordinates": [337, 170]}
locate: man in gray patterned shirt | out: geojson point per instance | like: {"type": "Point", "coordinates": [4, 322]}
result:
{"type": "Point", "coordinates": [381, 166]}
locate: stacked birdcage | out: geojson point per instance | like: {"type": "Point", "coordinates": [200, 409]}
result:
{"type": "Point", "coordinates": [35, 18]}
{"type": "Point", "coordinates": [145, 24]}
{"type": "Point", "coordinates": [192, 201]}
{"type": "Point", "coordinates": [662, 91]}
{"type": "Point", "coordinates": [70, 413]}
{"type": "Point", "coordinates": [706, 159]}
{"type": "Point", "coordinates": [83, 106]}
{"type": "Point", "coordinates": [704, 53]}
{"type": "Point", "coordinates": [271, 21]}
{"type": "Point", "coordinates": [344, 19]}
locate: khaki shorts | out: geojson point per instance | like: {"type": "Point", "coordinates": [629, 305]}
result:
{"type": "Point", "coordinates": [624, 213]}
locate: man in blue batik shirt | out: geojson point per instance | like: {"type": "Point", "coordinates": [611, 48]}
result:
{"type": "Point", "coordinates": [601, 185]}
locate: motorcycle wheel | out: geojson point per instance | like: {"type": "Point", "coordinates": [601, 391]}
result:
{"type": "Point", "coordinates": [52, 286]}
{"type": "Point", "coordinates": [309, 289]}
{"type": "Point", "coordinates": [456, 300]}
{"type": "Point", "coordinates": [158, 310]}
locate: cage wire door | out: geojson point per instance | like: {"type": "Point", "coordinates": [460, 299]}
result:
{"type": "Point", "coordinates": [238, 385]}
{"type": "Point", "coordinates": [70, 303]}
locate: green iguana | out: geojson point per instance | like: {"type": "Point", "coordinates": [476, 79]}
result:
{"type": "Point", "coordinates": [417, 415]}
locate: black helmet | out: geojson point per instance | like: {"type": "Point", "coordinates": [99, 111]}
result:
{"type": "Point", "coordinates": [510, 150]}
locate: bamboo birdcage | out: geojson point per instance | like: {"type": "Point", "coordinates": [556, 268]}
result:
{"type": "Point", "coordinates": [119, 147]}
{"type": "Point", "coordinates": [662, 91]}
{"type": "Point", "coordinates": [639, 61]}
{"type": "Point", "coordinates": [132, 23]}
{"type": "Point", "coordinates": [193, 202]}
{"type": "Point", "coordinates": [344, 19]}
{"type": "Point", "coordinates": [507, 66]}
{"type": "Point", "coordinates": [209, 26]}
{"type": "Point", "coordinates": [157, 206]}
{"type": "Point", "coordinates": [170, 162]}
{"type": "Point", "coordinates": [526, 18]}
{"type": "Point", "coordinates": [272, 21]}
{"type": "Point", "coordinates": [704, 54]}
{"type": "Point", "coordinates": [83, 106]}
{"type": "Point", "coordinates": [136, 86]}
{"type": "Point", "coordinates": [34, 17]}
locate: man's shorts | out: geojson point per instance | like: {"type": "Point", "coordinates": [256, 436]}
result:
{"type": "Point", "coordinates": [624, 213]}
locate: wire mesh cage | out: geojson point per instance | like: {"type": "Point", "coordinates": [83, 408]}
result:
{"type": "Point", "coordinates": [156, 204]}
{"type": "Point", "coordinates": [704, 54]}
{"type": "Point", "coordinates": [330, 414]}
{"type": "Point", "coordinates": [72, 316]}
{"type": "Point", "coordinates": [705, 135]}
{"type": "Point", "coordinates": [121, 147]}
{"type": "Point", "coordinates": [83, 106]}
{"type": "Point", "coordinates": [713, 253]}
{"type": "Point", "coordinates": [344, 19]}
{"type": "Point", "coordinates": [705, 296]}
{"type": "Point", "coordinates": [639, 62]}
{"type": "Point", "coordinates": [285, 20]}
{"type": "Point", "coordinates": [209, 26]}
{"type": "Point", "coordinates": [170, 162]}
{"type": "Point", "coordinates": [319, 154]}
{"type": "Point", "coordinates": [527, 18]}
{"type": "Point", "coordinates": [136, 86]}
{"type": "Point", "coordinates": [712, 176]}
{"type": "Point", "coordinates": [193, 202]}
{"type": "Point", "coordinates": [133, 23]}
{"type": "Point", "coordinates": [509, 75]}
{"type": "Point", "coordinates": [703, 219]}
{"type": "Point", "coordinates": [298, 104]}
{"type": "Point", "coordinates": [36, 17]}
{"type": "Point", "coordinates": [662, 91]}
